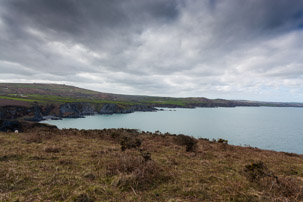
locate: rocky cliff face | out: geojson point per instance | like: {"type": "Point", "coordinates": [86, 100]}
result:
{"type": "Point", "coordinates": [67, 110]}
{"type": "Point", "coordinates": [13, 112]}
{"type": "Point", "coordinates": [76, 110]}
{"type": "Point", "coordinates": [116, 109]}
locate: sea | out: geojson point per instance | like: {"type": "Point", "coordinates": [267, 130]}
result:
{"type": "Point", "coordinates": [271, 128]}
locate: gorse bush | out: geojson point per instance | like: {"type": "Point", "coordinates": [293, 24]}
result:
{"type": "Point", "coordinates": [256, 171]}
{"type": "Point", "coordinates": [129, 143]}
{"type": "Point", "coordinates": [223, 141]}
{"type": "Point", "coordinates": [146, 155]}
{"type": "Point", "coordinates": [190, 143]}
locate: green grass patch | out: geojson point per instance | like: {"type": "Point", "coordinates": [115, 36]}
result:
{"type": "Point", "coordinates": [18, 99]}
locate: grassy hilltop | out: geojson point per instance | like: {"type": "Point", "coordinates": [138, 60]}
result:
{"type": "Point", "coordinates": [44, 164]}
{"type": "Point", "coordinates": [56, 93]}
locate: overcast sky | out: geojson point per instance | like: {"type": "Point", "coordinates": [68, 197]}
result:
{"type": "Point", "coordinates": [235, 49]}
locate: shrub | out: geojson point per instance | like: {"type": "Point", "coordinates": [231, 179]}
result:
{"type": "Point", "coordinates": [114, 135]}
{"type": "Point", "coordinates": [257, 171]}
{"type": "Point", "coordinates": [190, 143]}
{"type": "Point", "coordinates": [146, 155]}
{"type": "Point", "coordinates": [220, 140]}
{"type": "Point", "coordinates": [129, 143]}
{"type": "Point", "coordinates": [133, 172]}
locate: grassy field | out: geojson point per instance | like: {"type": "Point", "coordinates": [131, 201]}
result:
{"type": "Point", "coordinates": [126, 165]}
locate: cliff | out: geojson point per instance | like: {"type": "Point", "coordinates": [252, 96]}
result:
{"type": "Point", "coordinates": [37, 112]}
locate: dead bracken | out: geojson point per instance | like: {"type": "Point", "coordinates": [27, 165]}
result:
{"type": "Point", "coordinates": [127, 165]}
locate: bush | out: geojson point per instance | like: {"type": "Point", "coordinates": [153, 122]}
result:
{"type": "Point", "coordinates": [146, 155]}
{"type": "Point", "coordinates": [257, 171]}
{"type": "Point", "coordinates": [220, 140]}
{"type": "Point", "coordinates": [134, 172]}
{"type": "Point", "coordinates": [129, 143]}
{"type": "Point", "coordinates": [114, 135]}
{"type": "Point", "coordinates": [190, 143]}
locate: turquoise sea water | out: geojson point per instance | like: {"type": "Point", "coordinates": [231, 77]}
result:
{"type": "Point", "coordinates": [273, 128]}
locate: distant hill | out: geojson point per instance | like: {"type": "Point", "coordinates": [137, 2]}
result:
{"type": "Point", "coordinates": [25, 93]}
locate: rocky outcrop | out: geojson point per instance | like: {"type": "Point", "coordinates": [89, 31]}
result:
{"type": "Point", "coordinates": [110, 109]}
{"type": "Point", "coordinates": [116, 109]}
{"type": "Point", "coordinates": [13, 112]}
{"type": "Point", "coordinates": [142, 108]}
{"type": "Point", "coordinates": [76, 110]}
{"type": "Point", "coordinates": [37, 113]}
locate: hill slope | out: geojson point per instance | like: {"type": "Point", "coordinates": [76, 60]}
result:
{"type": "Point", "coordinates": [124, 165]}
{"type": "Point", "coordinates": [56, 93]}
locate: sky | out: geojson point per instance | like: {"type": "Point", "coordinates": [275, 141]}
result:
{"type": "Point", "coordinates": [235, 49]}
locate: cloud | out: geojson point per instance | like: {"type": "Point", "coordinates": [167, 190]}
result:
{"type": "Point", "coordinates": [212, 48]}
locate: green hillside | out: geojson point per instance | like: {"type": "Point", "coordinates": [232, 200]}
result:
{"type": "Point", "coordinates": [58, 93]}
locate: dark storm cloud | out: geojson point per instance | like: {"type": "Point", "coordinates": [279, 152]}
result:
{"type": "Point", "coordinates": [237, 49]}
{"type": "Point", "coordinates": [82, 20]}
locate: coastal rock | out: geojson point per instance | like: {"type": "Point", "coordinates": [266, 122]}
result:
{"type": "Point", "coordinates": [1, 115]}
{"type": "Point", "coordinates": [142, 108]}
{"type": "Point", "coordinates": [76, 110]}
{"type": "Point", "coordinates": [13, 112]}
{"type": "Point", "coordinates": [116, 109]}
{"type": "Point", "coordinates": [111, 109]}
{"type": "Point", "coordinates": [37, 115]}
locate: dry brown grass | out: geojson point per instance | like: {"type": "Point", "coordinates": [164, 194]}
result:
{"type": "Point", "coordinates": [33, 137]}
{"type": "Point", "coordinates": [278, 188]}
{"type": "Point", "coordinates": [90, 166]}
{"type": "Point", "coordinates": [132, 171]}
{"type": "Point", "coordinates": [52, 149]}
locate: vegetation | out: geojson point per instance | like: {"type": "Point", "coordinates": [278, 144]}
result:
{"type": "Point", "coordinates": [190, 143]}
{"type": "Point", "coordinates": [55, 93]}
{"type": "Point", "coordinates": [17, 98]}
{"type": "Point", "coordinates": [47, 164]}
